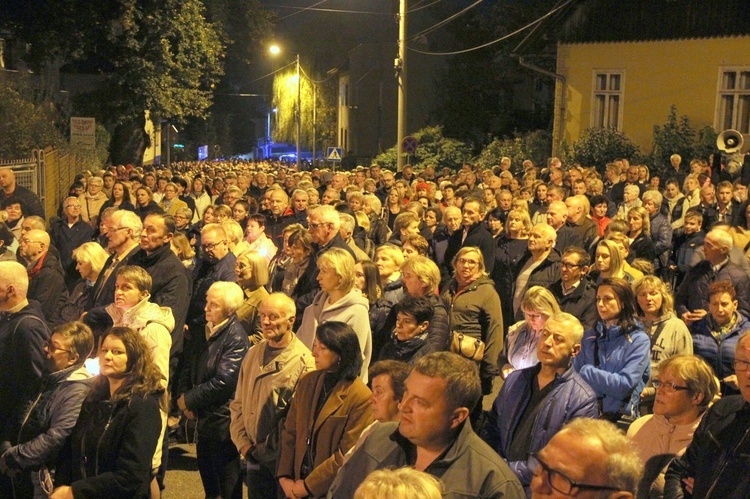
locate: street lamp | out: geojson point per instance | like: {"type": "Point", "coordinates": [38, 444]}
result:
{"type": "Point", "coordinates": [275, 50]}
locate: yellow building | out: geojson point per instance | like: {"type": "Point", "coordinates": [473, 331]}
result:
{"type": "Point", "coordinates": [623, 64]}
{"type": "Point", "coordinates": [631, 85]}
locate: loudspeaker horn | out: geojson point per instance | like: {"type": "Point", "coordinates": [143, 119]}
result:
{"type": "Point", "coordinates": [730, 141]}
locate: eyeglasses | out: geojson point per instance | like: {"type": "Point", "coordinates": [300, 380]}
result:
{"type": "Point", "coordinates": [467, 262]}
{"type": "Point", "coordinates": [73, 206]}
{"type": "Point", "coordinates": [211, 246]}
{"type": "Point", "coordinates": [26, 240]}
{"type": "Point", "coordinates": [315, 226]}
{"type": "Point", "coordinates": [533, 316]}
{"type": "Point", "coordinates": [741, 365]}
{"type": "Point", "coordinates": [52, 348]}
{"type": "Point", "coordinates": [569, 265]}
{"type": "Point", "coordinates": [115, 229]}
{"type": "Point", "coordinates": [559, 482]}
{"type": "Point", "coordinates": [668, 386]}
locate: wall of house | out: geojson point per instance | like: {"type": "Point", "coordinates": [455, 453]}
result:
{"type": "Point", "coordinates": [657, 74]}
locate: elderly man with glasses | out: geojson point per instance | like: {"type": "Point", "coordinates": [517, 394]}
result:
{"type": "Point", "coordinates": [68, 233]}
{"type": "Point", "coordinates": [588, 458]}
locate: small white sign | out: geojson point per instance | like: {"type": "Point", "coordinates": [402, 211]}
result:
{"type": "Point", "coordinates": [83, 132]}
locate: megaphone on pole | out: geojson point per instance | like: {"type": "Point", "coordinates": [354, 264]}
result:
{"type": "Point", "coordinates": [730, 141]}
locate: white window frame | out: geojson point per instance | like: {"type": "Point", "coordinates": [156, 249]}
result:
{"type": "Point", "coordinates": [719, 114]}
{"type": "Point", "coordinates": [607, 93]}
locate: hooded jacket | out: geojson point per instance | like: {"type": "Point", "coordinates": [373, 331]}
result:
{"type": "Point", "coordinates": [352, 309]}
{"type": "Point", "coordinates": [155, 324]}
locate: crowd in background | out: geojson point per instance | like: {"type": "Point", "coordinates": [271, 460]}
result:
{"type": "Point", "coordinates": [313, 329]}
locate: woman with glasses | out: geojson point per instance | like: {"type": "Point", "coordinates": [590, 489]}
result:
{"type": "Point", "coordinates": [685, 387]}
{"type": "Point", "coordinates": [538, 305]}
{"type": "Point", "coordinates": [48, 421]}
{"type": "Point", "coordinates": [669, 335]}
{"type": "Point", "coordinates": [111, 447]}
{"type": "Point", "coordinates": [715, 336]}
{"type": "Point", "coordinates": [614, 358]}
{"type": "Point", "coordinates": [475, 316]}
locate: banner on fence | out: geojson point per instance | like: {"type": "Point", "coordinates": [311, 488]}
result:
{"type": "Point", "coordinates": [83, 132]}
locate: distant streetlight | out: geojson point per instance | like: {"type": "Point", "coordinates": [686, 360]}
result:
{"type": "Point", "coordinates": [401, 72]}
{"type": "Point", "coordinates": [275, 50]}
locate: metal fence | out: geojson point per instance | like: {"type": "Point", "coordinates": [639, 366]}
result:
{"type": "Point", "coordinates": [49, 173]}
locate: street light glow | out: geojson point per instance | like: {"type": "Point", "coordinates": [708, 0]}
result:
{"type": "Point", "coordinates": [274, 49]}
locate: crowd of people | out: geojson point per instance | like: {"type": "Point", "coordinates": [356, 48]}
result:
{"type": "Point", "coordinates": [335, 334]}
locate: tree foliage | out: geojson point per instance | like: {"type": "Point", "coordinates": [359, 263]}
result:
{"type": "Point", "coordinates": [677, 136]}
{"type": "Point", "coordinates": [433, 149]}
{"type": "Point", "coordinates": [599, 146]}
{"type": "Point", "coordinates": [535, 146]}
{"type": "Point", "coordinates": [26, 125]}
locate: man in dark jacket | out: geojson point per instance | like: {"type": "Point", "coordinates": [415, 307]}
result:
{"type": "Point", "coordinates": [691, 299]}
{"type": "Point", "coordinates": [557, 217]}
{"type": "Point", "coordinates": [217, 264]}
{"type": "Point", "coordinates": [434, 436]}
{"type": "Point", "coordinates": [280, 217]}
{"type": "Point", "coordinates": [534, 403]}
{"type": "Point", "coordinates": [579, 221]}
{"type": "Point", "coordinates": [574, 292]}
{"type": "Point", "coordinates": [474, 233]}
{"type": "Point", "coordinates": [123, 239]}
{"type": "Point", "coordinates": [539, 266]}
{"type": "Point", "coordinates": [171, 284]}
{"type": "Point", "coordinates": [715, 463]}
{"type": "Point", "coordinates": [23, 338]}
{"type": "Point", "coordinates": [30, 202]}
{"type": "Point", "coordinates": [46, 280]}
{"type": "Point", "coordinates": [66, 234]}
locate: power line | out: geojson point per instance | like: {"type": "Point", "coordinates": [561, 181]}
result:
{"type": "Point", "coordinates": [445, 21]}
{"type": "Point", "coordinates": [502, 38]}
{"type": "Point", "coordinates": [341, 11]}
{"type": "Point", "coordinates": [303, 9]}
{"type": "Point", "coordinates": [273, 72]}
{"type": "Point", "coordinates": [420, 7]}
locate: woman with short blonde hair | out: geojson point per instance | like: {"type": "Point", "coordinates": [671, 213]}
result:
{"type": "Point", "coordinates": [338, 300]}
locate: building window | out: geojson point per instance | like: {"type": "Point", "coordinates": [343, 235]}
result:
{"type": "Point", "coordinates": [606, 105]}
{"type": "Point", "coordinates": [733, 108]}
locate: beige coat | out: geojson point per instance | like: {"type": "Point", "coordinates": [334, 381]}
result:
{"type": "Point", "coordinates": [262, 396]}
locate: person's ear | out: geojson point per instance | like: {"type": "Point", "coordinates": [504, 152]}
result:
{"type": "Point", "coordinates": [423, 327]}
{"type": "Point", "coordinates": [575, 350]}
{"type": "Point", "coordinates": [459, 416]}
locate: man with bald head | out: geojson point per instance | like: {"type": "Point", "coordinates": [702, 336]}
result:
{"type": "Point", "coordinates": [557, 216]}
{"type": "Point", "coordinates": [30, 202]}
{"type": "Point", "coordinates": [23, 338]}
{"type": "Point", "coordinates": [46, 280]}
{"type": "Point", "coordinates": [578, 219]}
{"type": "Point", "coordinates": [267, 379]}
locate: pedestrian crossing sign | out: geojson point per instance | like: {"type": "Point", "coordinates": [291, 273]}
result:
{"type": "Point", "coordinates": [334, 154]}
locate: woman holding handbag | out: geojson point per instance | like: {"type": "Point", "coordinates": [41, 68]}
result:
{"type": "Point", "coordinates": [475, 316]}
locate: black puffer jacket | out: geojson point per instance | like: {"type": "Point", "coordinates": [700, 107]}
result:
{"type": "Point", "coordinates": [209, 380]}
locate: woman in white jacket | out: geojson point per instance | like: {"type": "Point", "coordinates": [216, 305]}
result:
{"type": "Point", "coordinates": [340, 301]}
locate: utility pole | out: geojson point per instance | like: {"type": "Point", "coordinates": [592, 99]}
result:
{"type": "Point", "coordinates": [299, 112]}
{"type": "Point", "coordinates": [401, 72]}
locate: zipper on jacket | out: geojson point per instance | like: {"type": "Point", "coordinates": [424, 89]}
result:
{"type": "Point", "coordinates": [99, 443]}
{"type": "Point", "coordinates": [28, 414]}
{"type": "Point", "coordinates": [724, 464]}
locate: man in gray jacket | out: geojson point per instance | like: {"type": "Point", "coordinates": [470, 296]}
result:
{"type": "Point", "coordinates": [434, 436]}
